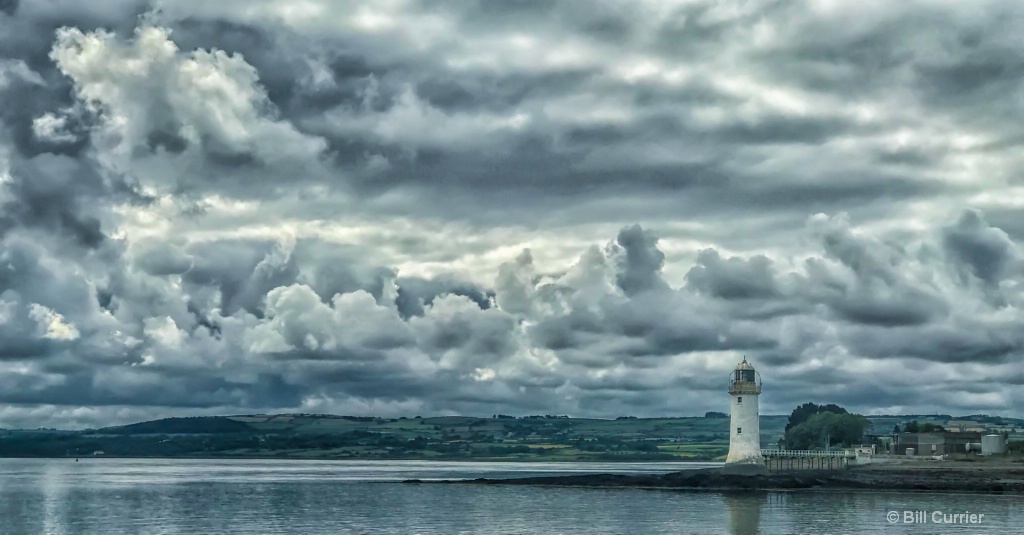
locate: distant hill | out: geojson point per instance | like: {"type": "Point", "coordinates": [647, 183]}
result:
{"type": "Point", "coordinates": [499, 437]}
{"type": "Point", "coordinates": [196, 425]}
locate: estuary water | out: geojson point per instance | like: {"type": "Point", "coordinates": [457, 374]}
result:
{"type": "Point", "coordinates": [58, 496]}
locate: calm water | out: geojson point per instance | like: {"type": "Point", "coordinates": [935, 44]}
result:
{"type": "Point", "coordinates": [177, 496]}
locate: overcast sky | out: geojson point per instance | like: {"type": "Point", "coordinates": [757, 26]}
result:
{"type": "Point", "coordinates": [522, 207]}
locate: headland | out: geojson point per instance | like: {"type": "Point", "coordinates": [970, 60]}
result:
{"type": "Point", "coordinates": [995, 475]}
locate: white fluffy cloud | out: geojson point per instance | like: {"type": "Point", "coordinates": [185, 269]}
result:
{"type": "Point", "coordinates": [50, 127]}
{"type": "Point", "coordinates": [202, 99]}
{"type": "Point", "coordinates": [52, 324]}
{"type": "Point", "coordinates": [296, 319]}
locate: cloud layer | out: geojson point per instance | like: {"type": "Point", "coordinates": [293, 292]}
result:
{"type": "Point", "coordinates": [507, 207]}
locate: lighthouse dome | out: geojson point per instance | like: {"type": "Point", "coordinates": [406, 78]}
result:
{"type": "Point", "coordinates": [744, 365]}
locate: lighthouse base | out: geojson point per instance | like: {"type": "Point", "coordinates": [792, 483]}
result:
{"type": "Point", "coordinates": [745, 469]}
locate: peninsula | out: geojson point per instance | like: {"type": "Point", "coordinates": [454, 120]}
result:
{"type": "Point", "coordinates": [989, 475]}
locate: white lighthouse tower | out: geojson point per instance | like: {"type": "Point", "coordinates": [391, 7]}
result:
{"type": "Point", "coordinates": [745, 428]}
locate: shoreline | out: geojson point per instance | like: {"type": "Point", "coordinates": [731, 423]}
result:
{"type": "Point", "coordinates": [948, 478]}
{"type": "Point", "coordinates": [992, 475]}
{"type": "Point", "coordinates": [381, 459]}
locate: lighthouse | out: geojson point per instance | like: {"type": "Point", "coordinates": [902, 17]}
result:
{"type": "Point", "coordinates": [745, 429]}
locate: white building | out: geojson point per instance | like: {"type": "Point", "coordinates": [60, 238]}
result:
{"type": "Point", "coordinates": [745, 427]}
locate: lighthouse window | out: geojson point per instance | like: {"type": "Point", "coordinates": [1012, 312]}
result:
{"type": "Point", "coordinates": [739, 399]}
{"type": "Point", "coordinates": [739, 430]}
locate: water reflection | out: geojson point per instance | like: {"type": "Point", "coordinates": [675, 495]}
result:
{"type": "Point", "coordinates": [744, 511]}
{"type": "Point", "coordinates": [54, 497]}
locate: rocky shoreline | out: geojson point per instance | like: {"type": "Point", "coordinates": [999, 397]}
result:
{"type": "Point", "coordinates": [953, 478]}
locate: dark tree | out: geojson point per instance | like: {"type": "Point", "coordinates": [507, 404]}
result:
{"type": "Point", "coordinates": [801, 414]}
{"type": "Point", "coordinates": [833, 408]}
{"type": "Point", "coordinates": [812, 425]}
{"type": "Point", "coordinates": [827, 429]}
{"type": "Point", "coordinates": [805, 411]}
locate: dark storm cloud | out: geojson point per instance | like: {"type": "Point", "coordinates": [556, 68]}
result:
{"type": "Point", "coordinates": [641, 262]}
{"type": "Point", "coordinates": [822, 388]}
{"type": "Point", "coordinates": [432, 207]}
{"type": "Point", "coordinates": [8, 7]}
{"type": "Point", "coordinates": [163, 259]}
{"type": "Point", "coordinates": [670, 323]}
{"type": "Point", "coordinates": [160, 390]}
{"type": "Point", "coordinates": [981, 250]}
{"type": "Point", "coordinates": [29, 272]}
{"type": "Point", "coordinates": [243, 271]}
{"type": "Point", "coordinates": [979, 68]}
{"type": "Point", "coordinates": [55, 193]}
{"type": "Point", "coordinates": [26, 100]}
{"type": "Point", "coordinates": [574, 330]}
{"type": "Point", "coordinates": [732, 278]}
{"type": "Point", "coordinates": [231, 269]}
{"type": "Point", "coordinates": [415, 293]}
{"type": "Point", "coordinates": [911, 309]}
{"type": "Point", "coordinates": [967, 341]}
